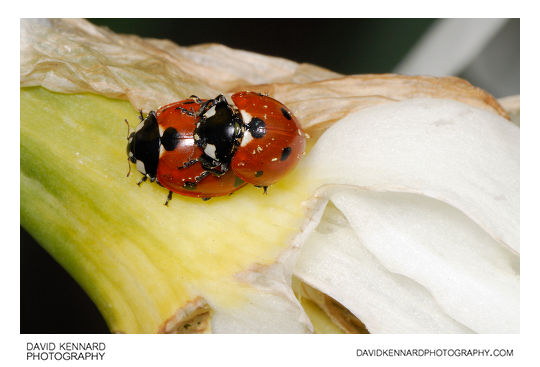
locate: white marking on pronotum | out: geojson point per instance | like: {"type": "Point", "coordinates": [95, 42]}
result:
{"type": "Point", "coordinates": [161, 150]}
{"type": "Point", "coordinates": [140, 167]}
{"type": "Point", "coordinates": [246, 139]}
{"type": "Point", "coordinates": [246, 117]}
{"type": "Point", "coordinates": [161, 131]}
{"type": "Point", "coordinates": [140, 126]}
{"type": "Point", "coordinates": [210, 150]}
{"type": "Point", "coordinates": [211, 112]}
{"type": "Point", "coordinates": [130, 153]}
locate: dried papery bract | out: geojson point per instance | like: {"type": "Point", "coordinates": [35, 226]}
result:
{"type": "Point", "coordinates": [74, 56]}
{"type": "Point", "coordinates": [511, 105]}
{"type": "Point", "coordinates": [320, 103]}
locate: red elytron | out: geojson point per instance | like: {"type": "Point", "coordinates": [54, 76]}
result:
{"type": "Point", "coordinates": [273, 142]}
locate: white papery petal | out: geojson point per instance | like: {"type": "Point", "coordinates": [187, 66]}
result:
{"type": "Point", "coordinates": [335, 262]}
{"type": "Point", "coordinates": [444, 149]}
{"type": "Point", "coordinates": [404, 261]}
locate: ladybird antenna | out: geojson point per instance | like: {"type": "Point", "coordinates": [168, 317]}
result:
{"type": "Point", "coordinates": [129, 128]}
{"type": "Point", "coordinates": [127, 137]}
{"type": "Point", "coordinates": [129, 168]}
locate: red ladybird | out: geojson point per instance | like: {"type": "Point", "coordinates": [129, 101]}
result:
{"type": "Point", "coordinates": [273, 141]}
{"type": "Point", "coordinates": [162, 146]}
{"type": "Point", "coordinates": [207, 148]}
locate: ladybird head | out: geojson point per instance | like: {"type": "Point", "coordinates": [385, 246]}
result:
{"type": "Point", "coordinates": [131, 148]}
{"type": "Point", "coordinates": [143, 146]}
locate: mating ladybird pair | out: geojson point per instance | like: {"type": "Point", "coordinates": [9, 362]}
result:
{"type": "Point", "coordinates": [207, 148]}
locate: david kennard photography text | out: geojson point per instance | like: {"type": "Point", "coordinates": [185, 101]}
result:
{"type": "Point", "coordinates": [65, 351]}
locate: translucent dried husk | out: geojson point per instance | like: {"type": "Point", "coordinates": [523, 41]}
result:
{"type": "Point", "coordinates": [155, 269]}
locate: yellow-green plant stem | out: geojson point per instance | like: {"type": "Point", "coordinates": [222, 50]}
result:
{"type": "Point", "coordinates": [137, 259]}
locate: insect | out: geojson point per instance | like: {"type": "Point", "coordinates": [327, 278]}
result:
{"type": "Point", "coordinates": [273, 140]}
{"type": "Point", "coordinates": [207, 148]}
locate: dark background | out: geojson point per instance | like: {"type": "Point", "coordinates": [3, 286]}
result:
{"type": "Point", "coordinates": [348, 46]}
{"type": "Point", "coordinates": [51, 301]}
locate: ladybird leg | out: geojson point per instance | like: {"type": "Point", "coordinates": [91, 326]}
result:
{"type": "Point", "coordinates": [216, 172]}
{"type": "Point", "coordinates": [144, 178]}
{"type": "Point", "coordinates": [265, 189]}
{"type": "Point", "coordinates": [141, 117]}
{"type": "Point", "coordinates": [169, 197]}
{"type": "Point", "coordinates": [212, 165]}
{"type": "Point", "coordinates": [205, 106]}
{"type": "Point", "coordinates": [129, 168]}
{"type": "Point", "coordinates": [129, 129]}
{"type": "Point", "coordinates": [202, 176]}
{"type": "Point", "coordinates": [188, 164]}
{"type": "Point", "coordinates": [186, 111]}
{"type": "Point", "coordinates": [191, 185]}
{"type": "Point", "coordinates": [197, 99]}
{"type": "Point", "coordinates": [206, 199]}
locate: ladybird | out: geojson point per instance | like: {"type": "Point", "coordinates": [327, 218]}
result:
{"type": "Point", "coordinates": [273, 140]}
{"type": "Point", "coordinates": [206, 148]}
{"type": "Point", "coordinates": [164, 150]}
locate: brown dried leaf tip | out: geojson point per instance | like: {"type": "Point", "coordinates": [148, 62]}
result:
{"type": "Point", "coordinates": [193, 318]}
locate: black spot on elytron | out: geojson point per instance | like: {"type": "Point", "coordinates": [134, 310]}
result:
{"type": "Point", "coordinates": [257, 127]}
{"type": "Point", "coordinates": [238, 181]}
{"type": "Point", "coordinates": [259, 173]}
{"type": "Point", "coordinates": [286, 113]}
{"type": "Point", "coordinates": [169, 139]}
{"type": "Point", "coordinates": [285, 153]}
